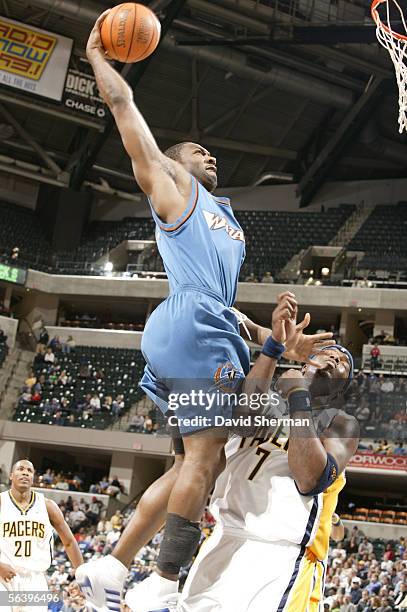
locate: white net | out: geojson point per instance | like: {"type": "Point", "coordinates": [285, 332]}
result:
{"type": "Point", "coordinates": [397, 48]}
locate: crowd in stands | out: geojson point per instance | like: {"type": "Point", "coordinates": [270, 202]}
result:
{"type": "Point", "coordinates": [77, 481]}
{"type": "Point", "coordinates": [79, 386]}
{"type": "Point", "coordinates": [3, 347]}
{"type": "Point", "coordinates": [366, 576]}
{"type": "Point", "coordinates": [379, 404]}
{"type": "Point", "coordinates": [91, 321]}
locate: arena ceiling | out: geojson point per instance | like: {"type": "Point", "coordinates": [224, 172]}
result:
{"type": "Point", "coordinates": [295, 90]}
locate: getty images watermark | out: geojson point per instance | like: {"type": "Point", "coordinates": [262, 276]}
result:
{"type": "Point", "coordinates": [219, 409]}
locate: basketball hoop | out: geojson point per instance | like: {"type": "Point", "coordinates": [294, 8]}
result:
{"type": "Point", "coordinates": [396, 45]}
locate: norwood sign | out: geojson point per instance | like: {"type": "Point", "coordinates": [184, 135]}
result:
{"type": "Point", "coordinates": [381, 462]}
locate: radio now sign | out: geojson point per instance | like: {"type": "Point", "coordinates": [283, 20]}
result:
{"type": "Point", "coordinates": [381, 462]}
{"type": "Point", "coordinates": [33, 60]}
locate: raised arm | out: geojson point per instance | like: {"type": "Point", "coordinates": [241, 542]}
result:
{"type": "Point", "coordinates": [61, 527]}
{"type": "Point", "coordinates": [164, 180]}
{"type": "Point", "coordinates": [315, 462]}
{"type": "Point", "coordinates": [300, 346]}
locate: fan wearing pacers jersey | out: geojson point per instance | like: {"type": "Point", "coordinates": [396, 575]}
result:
{"type": "Point", "coordinates": [274, 502]}
{"type": "Point", "coordinates": [27, 521]}
{"type": "Point", "coordinates": [192, 339]}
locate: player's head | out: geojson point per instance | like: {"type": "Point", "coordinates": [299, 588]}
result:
{"type": "Point", "coordinates": [334, 375]}
{"type": "Point", "coordinates": [22, 475]}
{"type": "Point", "coordinates": [196, 160]}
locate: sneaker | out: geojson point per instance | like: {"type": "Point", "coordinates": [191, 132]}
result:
{"type": "Point", "coordinates": [101, 582]}
{"type": "Point", "coordinates": [154, 594]}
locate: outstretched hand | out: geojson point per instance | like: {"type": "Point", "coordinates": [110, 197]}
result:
{"type": "Point", "coordinates": [283, 315]}
{"type": "Point", "coordinates": [95, 40]}
{"type": "Point", "coordinates": [302, 347]}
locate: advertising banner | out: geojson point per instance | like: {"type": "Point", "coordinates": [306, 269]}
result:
{"type": "Point", "coordinates": [81, 93]}
{"type": "Point", "coordinates": [33, 60]}
{"type": "Point", "coordinates": [377, 461]}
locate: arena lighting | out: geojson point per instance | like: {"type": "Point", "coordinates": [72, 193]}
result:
{"type": "Point", "coordinates": [325, 271]}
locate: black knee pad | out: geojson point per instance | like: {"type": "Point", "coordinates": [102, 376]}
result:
{"type": "Point", "coordinates": [180, 541]}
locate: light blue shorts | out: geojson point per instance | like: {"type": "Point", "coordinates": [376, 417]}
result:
{"type": "Point", "coordinates": [196, 358]}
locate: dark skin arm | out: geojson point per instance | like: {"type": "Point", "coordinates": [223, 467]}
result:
{"type": "Point", "coordinates": [164, 180]}
{"type": "Point", "coordinates": [59, 524]}
{"type": "Point", "coordinates": [307, 453]}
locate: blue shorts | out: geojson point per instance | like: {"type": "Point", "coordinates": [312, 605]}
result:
{"type": "Point", "coordinates": [196, 358]}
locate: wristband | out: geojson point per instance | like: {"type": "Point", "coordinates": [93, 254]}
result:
{"type": "Point", "coordinates": [336, 522]}
{"type": "Point", "coordinates": [299, 401]}
{"type": "Point", "coordinates": [273, 349]}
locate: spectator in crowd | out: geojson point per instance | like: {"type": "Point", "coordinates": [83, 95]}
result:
{"type": "Point", "coordinates": [251, 278]}
{"type": "Point", "coordinates": [95, 402]}
{"type": "Point", "coordinates": [355, 591]}
{"type": "Point", "coordinates": [76, 517]}
{"type": "Point", "coordinates": [374, 357]}
{"type": "Point", "coordinates": [117, 520]}
{"type": "Point", "coordinates": [267, 278]}
{"type": "Point", "coordinates": [55, 344]}
{"type": "Point", "coordinates": [49, 356]}
{"type": "Point", "coordinates": [365, 547]}
{"type": "Point", "coordinates": [60, 575]}
{"type": "Point", "coordinates": [69, 345]}
{"type": "Point", "coordinates": [114, 487]}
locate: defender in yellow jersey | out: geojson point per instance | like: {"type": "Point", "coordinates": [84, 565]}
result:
{"type": "Point", "coordinates": [27, 521]}
{"type": "Point", "coordinates": [275, 500]}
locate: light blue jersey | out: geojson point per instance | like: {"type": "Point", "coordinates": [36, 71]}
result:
{"type": "Point", "coordinates": [193, 335]}
{"type": "Point", "coordinates": [205, 247]}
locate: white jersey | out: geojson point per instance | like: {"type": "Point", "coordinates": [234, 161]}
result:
{"type": "Point", "coordinates": [26, 535]}
{"type": "Point", "coordinates": [256, 496]}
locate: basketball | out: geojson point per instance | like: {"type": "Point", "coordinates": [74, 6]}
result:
{"type": "Point", "coordinates": [130, 32]}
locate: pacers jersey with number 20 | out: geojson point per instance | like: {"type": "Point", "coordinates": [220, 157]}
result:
{"type": "Point", "coordinates": [26, 535]}
{"type": "Point", "coordinates": [205, 247]}
{"type": "Point", "coordinates": [256, 497]}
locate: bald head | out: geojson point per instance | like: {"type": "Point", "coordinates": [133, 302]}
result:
{"type": "Point", "coordinates": [196, 160]}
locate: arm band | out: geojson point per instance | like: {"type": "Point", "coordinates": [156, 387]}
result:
{"type": "Point", "coordinates": [299, 400]}
{"type": "Point", "coordinates": [273, 349]}
{"type": "Point", "coordinates": [328, 477]}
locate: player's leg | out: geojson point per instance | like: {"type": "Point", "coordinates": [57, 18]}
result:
{"type": "Point", "coordinates": [102, 580]}
{"type": "Point", "coordinates": [204, 460]}
{"type": "Point", "coordinates": [149, 516]}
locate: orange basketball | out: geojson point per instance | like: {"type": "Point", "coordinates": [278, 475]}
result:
{"type": "Point", "coordinates": [130, 32]}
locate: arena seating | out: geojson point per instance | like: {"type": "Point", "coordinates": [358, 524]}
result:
{"type": "Point", "coordinates": [272, 237]}
{"type": "Point", "coordinates": [109, 373]}
{"type": "Point", "coordinates": [20, 227]}
{"type": "Point", "coordinates": [383, 239]}
{"type": "Point", "coordinates": [101, 237]}
{"type": "Point", "coordinates": [381, 413]}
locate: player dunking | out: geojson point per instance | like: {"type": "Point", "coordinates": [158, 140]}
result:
{"type": "Point", "coordinates": [274, 503]}
{"type": "Point", "coordinates": [27, 520]}
{"type": "Point", "coordinates": [192, 336]}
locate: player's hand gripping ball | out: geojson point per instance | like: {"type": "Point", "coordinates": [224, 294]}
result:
{"type": "Point", "coordinates": [130, 32]}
